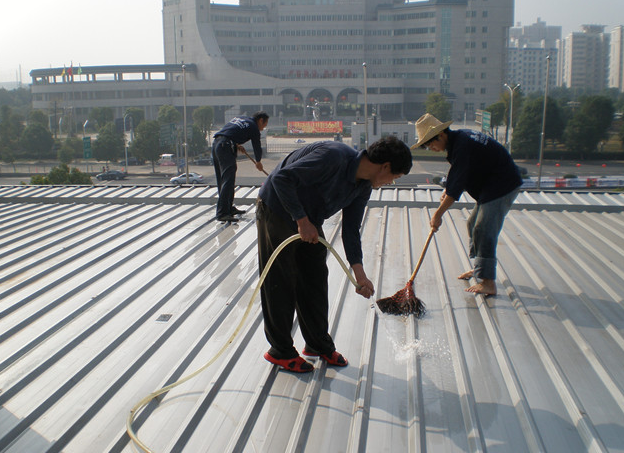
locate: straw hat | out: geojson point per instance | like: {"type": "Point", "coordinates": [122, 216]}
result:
{"type": "Point", "coordinates": [427, 127]}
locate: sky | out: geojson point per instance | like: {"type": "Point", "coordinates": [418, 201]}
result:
{"type": "Point", "coordinates": [54, 33]}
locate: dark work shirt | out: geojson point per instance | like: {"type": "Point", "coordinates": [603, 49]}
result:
{"type": "Point", "coordinates": [480, 166]}
{"type": "Point", "coordinates": [317, 181]}
{"type": "Point", "coordinates": [241, 129]}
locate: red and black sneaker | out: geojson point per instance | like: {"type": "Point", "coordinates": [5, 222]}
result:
{"type": "Point", "coordinates": [335, 358]}
{"type": "Point", "coordinates": [296, 364]}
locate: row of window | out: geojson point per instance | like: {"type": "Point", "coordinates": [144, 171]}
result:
{"type": "Point", "coordinates": [408, 16]}
{"type": "Point", "coordinates": [323, 18]}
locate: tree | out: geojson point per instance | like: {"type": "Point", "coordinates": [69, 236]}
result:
{"type": "Point", "coordinates": [37, 141]}
{"type": "Point", "coordinates": [600, 110]}
{"type": "Point", "coordinates": [198, 142]}
{"type": "Point", "coordinates": [528, 131]}
{"type": "Point", "coordinates": [65, 154]}
{"type": "Point", "coordinates": [11, 128]}
{"type": "Point", "coordinates": [38, 116]}
{"type": "Point", "coordinates": [146, 143]}
{"type": "Point", "coordinates": [109, 144]}
{"type": "Point", "coordinates": [168, 114]}
{"type": "Point", "coordinates": [203, 117]}
{"type": "Point", "coordinates": [101, 116]}
{"type": "Point", "coordinates": [136, 114]}
{"type": "Point", "coordinates": [437, 105]}
{"type": "Point", "coordinates": [498, 114]}
{"type": "Point", "coordinates": [62, 175]}
{"type": "Point", "coordinates": [581, 134]}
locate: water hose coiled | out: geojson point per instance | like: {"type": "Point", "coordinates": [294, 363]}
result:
{"type": "Point", "coordinates": [145, 401]}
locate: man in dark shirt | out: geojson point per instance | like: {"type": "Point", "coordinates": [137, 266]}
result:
{"type": "Point", "coordinates": [224, 148]}
{"type": "Point", "coordinates": [310, 185]}
{"type": "Point", "coordinates": [484, 168]}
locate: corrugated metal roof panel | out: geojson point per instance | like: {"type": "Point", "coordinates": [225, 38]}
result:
{"type": "Point", "coordinates": [108, 293]}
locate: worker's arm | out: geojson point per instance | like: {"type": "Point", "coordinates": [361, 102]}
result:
{"type": "Point", "coordinates": [366, 288]}
{"type": "Point", "coordinates": [307, 230]}
{"type": "Point", "coordinates": [446, 201]}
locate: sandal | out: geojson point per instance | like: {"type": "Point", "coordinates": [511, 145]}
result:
{"type": "Point", "coordinates": [296, 364]}
{"type": "Point", "coordinates": [335, 358]}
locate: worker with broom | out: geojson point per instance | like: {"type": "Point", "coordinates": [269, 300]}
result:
{"type": "Point", "coordinates": [484, 168]}
{"type": "Point", "coordinates": [237, 131]}
{"type": "Point", "coordinates": [309, 186]}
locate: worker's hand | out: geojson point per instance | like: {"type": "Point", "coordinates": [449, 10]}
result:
{"type": "Point", "coordinates": [366, 289]}
{"type": "Point", "coordinates": [436, 221]}
{"type": "Point", "coordinates": [259, 166]}
{"type": "Point", "coordinates": [307, 230]}
{"type": "Point", "coordinates": [240, 149]}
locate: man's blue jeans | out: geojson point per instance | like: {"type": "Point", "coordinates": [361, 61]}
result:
{"type": "Point", "coordinates": [484, 226]}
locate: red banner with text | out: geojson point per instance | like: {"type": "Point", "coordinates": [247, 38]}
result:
{"type": "Point", "coordinates": [314, 127]}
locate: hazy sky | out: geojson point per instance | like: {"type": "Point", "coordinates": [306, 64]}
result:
{"type": "Point", "coordinates": [52, 33]}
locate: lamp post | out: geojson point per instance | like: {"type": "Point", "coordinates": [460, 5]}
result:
{"type": "Point", "coordinates": [511, 95]}
{"type": "Point", "coordinates": [365, 108]}
{"type": "Point", "coordinates": [186, 166]}
{"type": "Point", "coordinates": [125, 142]}
{"type": "Point", "coordinates": [541, 150]}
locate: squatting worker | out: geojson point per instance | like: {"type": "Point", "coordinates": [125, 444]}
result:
{"type": "Point", "coordinates": [224, 148]}
{"type": "Point", "coordinates": [310, 185]}
{"type": "Point", "coordinates": [484, 168]}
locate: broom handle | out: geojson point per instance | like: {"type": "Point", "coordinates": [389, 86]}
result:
{"type": "Point", "coordinates": [422, 257]}
{"type": "Point", "coordinates": [250, 158]}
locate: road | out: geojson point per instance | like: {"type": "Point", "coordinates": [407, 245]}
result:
{"type": "Point", "coordinates": [423, 172]}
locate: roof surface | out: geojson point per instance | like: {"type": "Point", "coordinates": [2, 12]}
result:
{"type": "Point", "coordinates": [108, 293]}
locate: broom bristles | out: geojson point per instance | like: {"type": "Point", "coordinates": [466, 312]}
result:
{"type": "Point", "coordinates": [404, 302]}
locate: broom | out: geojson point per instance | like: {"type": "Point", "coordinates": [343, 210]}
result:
{"type": "Point", "coordinates": [405, 302]}
{"type": "Point", "coordinates": [244, 151]}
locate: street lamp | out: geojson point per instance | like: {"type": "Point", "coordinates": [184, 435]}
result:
{"type": "Point", "coordinates": [365, 109]}
{"type": "Point", "coordinates": [511, 95]}
{"type": "Point", "coordinates": [125, 142]}
{"type": "Point", "coordinates": [541, 150]}
{"type": "Point", "coordinates": [184, 112]}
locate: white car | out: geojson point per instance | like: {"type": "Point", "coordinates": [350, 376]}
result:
{"type": "Point", "coordinates": [193, 178]}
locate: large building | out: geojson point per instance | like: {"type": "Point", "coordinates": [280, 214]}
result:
{"type": "Point", "coordinates": [288, 56]}
{"type": "Point", "coordinates": [584, 59]}
{"type": "Point", "coordinates": [616, 61]}
{"type": "Point", "coordinates": [528, 48]}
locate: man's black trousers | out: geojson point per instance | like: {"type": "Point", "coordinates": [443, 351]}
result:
{"type": "Point", "coordinates": [296, 282]}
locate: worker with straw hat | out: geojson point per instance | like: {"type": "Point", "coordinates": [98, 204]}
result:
{"type": "Point", "coordinates": [484, 168]}
{"type": "Point", "coordinates": [309, 186]}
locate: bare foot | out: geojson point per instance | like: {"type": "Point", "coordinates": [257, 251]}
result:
{"type": "Point", "coordinates": [486, 287]}
{"type": "Point", "coordinates": [465, 276]}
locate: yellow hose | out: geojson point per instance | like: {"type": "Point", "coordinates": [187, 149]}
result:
{"type": "Point", "coordinates": [145, 401]}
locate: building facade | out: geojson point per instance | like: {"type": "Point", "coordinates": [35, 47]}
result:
{"type": "Point", "coordinates": [528, 48]}
{"type": "Point", "coordinates": [616, 60]}
{"type": "Point", "coordinates": [584, 59]}
{"type": "Point", "coordinates": [289, 57]}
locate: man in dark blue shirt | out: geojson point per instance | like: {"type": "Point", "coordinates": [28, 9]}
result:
{"type": "Point", "coordinates": [484, 168]}
{"type": "Point", "coordinates": [224, 148]}
{"type": "Point", "coordinates": [310, 185]}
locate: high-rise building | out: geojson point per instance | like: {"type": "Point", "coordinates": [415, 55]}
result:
{"type": "Point", "coordinates": [312, 51]}
{"type": "Point", "coordinates": [528, 48]}
{"type": "Point", "coordinates": [584, 59]}
{"type": "Point", "coordinates": [616, 61]}
{"type": "Point", "coordinates": [304, 59]}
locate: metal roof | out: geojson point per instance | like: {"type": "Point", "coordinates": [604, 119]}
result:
{"type": "Point", "coordinates": [108, 293]}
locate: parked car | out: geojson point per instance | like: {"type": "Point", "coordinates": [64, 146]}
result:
{"type": "Point", "coordinates": [203, 161]}
{"type": "Point", "coordinates": [111, 175]}
{"type": "Point", "coordinates": [135, 161]}
{"type": "Point", "coordinates": [194, 178]}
